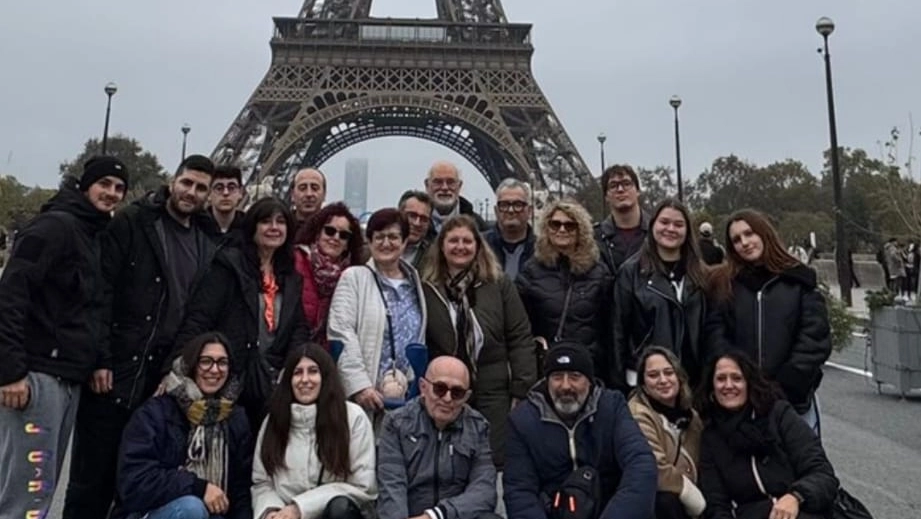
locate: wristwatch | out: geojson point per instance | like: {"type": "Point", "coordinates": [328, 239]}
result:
{"type": "Point", "coordinates": [799, 497]}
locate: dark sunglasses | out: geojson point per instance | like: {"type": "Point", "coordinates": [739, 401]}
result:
{"type": "Point", "coordinates": [556, 225]}
{"type": "Point", "coordinates": [441, 389]}
{"type": "Point", "coordinates": [331, 231]}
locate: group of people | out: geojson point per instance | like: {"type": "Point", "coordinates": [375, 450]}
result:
{"type": "Point", "coordinates": [900, 263]}
{"type": "Point", "coordinates": [281, 364]}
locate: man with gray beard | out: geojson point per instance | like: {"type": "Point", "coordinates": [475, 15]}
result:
{"type": "Point", "coordinates": [443, 184]}
{"type": "Point", "coordinates": [569, 421]}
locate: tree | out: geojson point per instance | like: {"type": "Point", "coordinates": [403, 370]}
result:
{"type": "Point", "coordinates": [144, 168]}
{"type": "Point", "coordinates": [19, 203]}
{"type": "Point", "coordinates": [656, 184]}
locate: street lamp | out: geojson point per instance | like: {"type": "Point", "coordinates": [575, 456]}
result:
{"type": "Point", "coordinates": [110, 90]}
{"type": "Point", "coordinates": [185, 134]}
{"type": "Point", "coordinates": [601, 139]}
{"type": "Point", "coordinates": [675, 101]}
{"type": "Point", "coordinates": [825, 27]}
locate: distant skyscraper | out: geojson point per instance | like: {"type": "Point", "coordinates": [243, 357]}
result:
{"type": "Point", "coordinates": [356, 185]}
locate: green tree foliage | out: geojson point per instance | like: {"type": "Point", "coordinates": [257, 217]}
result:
{"type": "Point", "coordinates": [19, 203]}
{"type": "Point", "coordinates": [147, 174]}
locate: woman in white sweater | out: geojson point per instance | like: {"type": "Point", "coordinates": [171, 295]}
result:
{"type": "Point", "coordinates": [378, 309]}
{"type": "Point", "coordinates": [315, 451]}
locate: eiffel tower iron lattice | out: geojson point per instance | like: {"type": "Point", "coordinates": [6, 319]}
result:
{"type": "Point", "coordinates": [340, 77]}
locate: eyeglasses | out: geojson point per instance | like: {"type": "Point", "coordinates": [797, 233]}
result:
{"type": "Point", "coordinates": [441, 389]}
{"type": "Point", "coordinates": [231, 188]}
{"type": "Point", "coordinates": [206, 363]}
{"type": "Point", "coordinates": [382, 237]}
{"type": "Point", "coordinates": [417, 217]}
{"type": "Point", "coordinates": [331, 231]}
{"type": "Point", "coordinates": [512, 207]}
{"type": "Point", "coordinates": [443, 182]}
{"type": "Point", "coordinates": [622, 185]}
{"type": "Point", "coordinates": [557, 225]}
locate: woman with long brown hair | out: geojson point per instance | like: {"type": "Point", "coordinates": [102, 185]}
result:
{"type": "Point", "coordinates": [325, 246]}
{"type": "Point", "coordinates": [659, 295]}
{"type": "Point", "coordinates": [767, 304]}
{"type": "Point", "coordinates": [315, 450]}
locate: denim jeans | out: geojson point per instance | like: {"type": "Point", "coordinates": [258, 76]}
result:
{"type": "Point", "coordinates": [185, 507]}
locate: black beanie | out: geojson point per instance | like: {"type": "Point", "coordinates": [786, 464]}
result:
{"type": "Point", "coordinates": [569, 356]}
{"type": "Point", "coordinates": [102, 166]}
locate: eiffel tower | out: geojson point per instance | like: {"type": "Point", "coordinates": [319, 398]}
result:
{"type": "Point", "coordinates": [340, 77]}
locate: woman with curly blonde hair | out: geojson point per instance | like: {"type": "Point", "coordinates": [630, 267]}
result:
{"type": "Point", "coordinates": [566, 288]}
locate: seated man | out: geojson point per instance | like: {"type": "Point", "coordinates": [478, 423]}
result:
{"type": "Point", "coordinates": [568, 406]}
{"type": "Point", "coordinates": [437, 432]}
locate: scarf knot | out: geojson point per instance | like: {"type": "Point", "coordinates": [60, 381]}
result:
{"type": "Point", "coordinates": [459, 290]}
{"type": "Point", "coordinates": [326, 271]}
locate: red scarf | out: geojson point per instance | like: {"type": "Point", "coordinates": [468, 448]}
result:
{"type": "Point", "coordinates": [269, 289]}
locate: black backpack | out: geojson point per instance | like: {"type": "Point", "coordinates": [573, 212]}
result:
{"type": "Point", "coordinates": [578, 497]}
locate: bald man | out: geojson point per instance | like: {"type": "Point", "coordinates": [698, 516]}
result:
{"type": "Point", "coordinates": [443, 184]}
{"type": "Point", "coordinates": [308, 192]}
{"type": "Point", "coordinates": [437, 424]}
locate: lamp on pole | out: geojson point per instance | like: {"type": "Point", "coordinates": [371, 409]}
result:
{"type": "Point", "coordinates": [675, 101]}
{"type": "Point", "coordinates": [185, 134]}
{"type": "Point", "coordinates": [601, 139]}
{"type": "Point", "coordinates": [825, 26]}
{"type": "Point", "coordinates": [110, 90]}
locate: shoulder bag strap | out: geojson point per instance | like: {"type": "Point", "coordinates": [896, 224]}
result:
{"type": "Point", "coordinates": [380, 288]}
{"type": "Point", "coordinates": [559, 329]}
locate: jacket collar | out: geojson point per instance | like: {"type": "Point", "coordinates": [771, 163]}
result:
{"type": "Point", "coordinates": [539, 396]}
{"type": "Point", "coordinates": [609, 230]}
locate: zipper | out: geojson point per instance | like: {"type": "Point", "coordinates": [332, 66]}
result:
{"type": "Point", "coordinates": [437, 477]}
{"type": "Point", "coordinates": [153, 333]}
{"type": "Point", "coordinates": [679, 329]}
{"type": "Point", "coordinates": [760, 299]}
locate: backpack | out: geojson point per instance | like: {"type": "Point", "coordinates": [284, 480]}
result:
{"type": "Point", "coordinates": [578, 497]}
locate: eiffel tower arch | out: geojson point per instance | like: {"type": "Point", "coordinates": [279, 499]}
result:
{"type": "Point", "coordinates": [340, 77]}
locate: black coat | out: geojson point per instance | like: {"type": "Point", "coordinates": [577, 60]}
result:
{"type": "Point", "coordinates": [798, 463]}
{"type": "Point", "coordinates": [647, 312]}
{"type": "Point", "coordinates": [710, 252]}
{"type": "Point", "coordinates": [51, 293]}
{"type": "Point", "coordinates": [227, 300]}
{"type": "Point", "coordinates": [154, 452]}
{"type": "Point", "coordinates": [613, 244]}
{"type": "Point", "coordinates": [783, 327]}
{"type": "Point", "coordinates": [588, 318]}
{"type": "Point", "coordinates": [143, 326]}
{"type": "Point", "coordinates": [234, 235]}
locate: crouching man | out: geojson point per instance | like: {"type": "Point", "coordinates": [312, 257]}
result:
{"type": "Point", "coordinates": [569, 426]}
{"type": "Point", "coordinates": [433, 459]}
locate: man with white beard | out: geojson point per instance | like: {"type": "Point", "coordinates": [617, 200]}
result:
{"type": "Point", "coordinates": [568, 425]}
{"type": "Point", "coordinates": [443, 184]}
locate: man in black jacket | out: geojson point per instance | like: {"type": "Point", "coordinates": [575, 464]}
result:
{"type": "Point", "coordinates": [152, 253]}
{"type": "Point", "coordinates": [621, 234]}
{"type": "Point", "coordinates": [443, 184]}
{"type": "Point", "coordinates": [513, 239]}
{"type": "Point", "coordinates": [226, 221]}
{"type": "Point", "coordinates": [50, 330]}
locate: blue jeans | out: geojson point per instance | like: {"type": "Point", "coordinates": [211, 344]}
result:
{"type": "Point", "coordinates": [185, 507]}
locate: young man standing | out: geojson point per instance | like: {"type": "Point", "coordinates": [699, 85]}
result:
{"type": "Point", "coordinates": [226, 194]}
{"type": "Point", "coordinates": [50, 331]}
{"type": "Point", "coordinates": [151, 255]}
{"type": "Point", "coordinates": [621, 234]}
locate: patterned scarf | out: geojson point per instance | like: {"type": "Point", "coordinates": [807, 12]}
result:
{"type": "Point", "coordinates": [326, 271]}
{"type": "Point", "coordinates": [460, 292]}
{"type": "Point", "coordinates": [269, 289]}
{"type": "Point", "coordinates": [206, 454]}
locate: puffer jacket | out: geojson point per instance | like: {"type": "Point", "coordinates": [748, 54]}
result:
{"type": "Point", "coordinates": [53, 295]}
{"type": "Point", "coordinates": [798, 464]}
{"type": "Point", "coordinates": [420, 468]}
{"type": "Point", "coordinates": [301, 482]}
{"type": "Point", "coordinates": [539, 443]}
{"type": "Point", "coordinates": [783, 327]}
{"type": "Point", "coordinates": [143, 324]}
{"type": "Point", "coordinates": [588, 319]}
{"type": "Point", "coordinates": [648, 312]}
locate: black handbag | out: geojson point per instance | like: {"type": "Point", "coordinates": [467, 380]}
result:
{"type": "Point", "coordinates": [849, 507]}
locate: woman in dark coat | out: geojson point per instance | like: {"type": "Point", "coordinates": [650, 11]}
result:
{"type": "Point", "coordinates": [475, 314]}
{"type": "Point", "coordinates": [566, 276]}
{"type": "Point", "coordinates": [768, 305]}
{"type": "Point", "coordinates": [758, 458]}
{"type": "Point", "coordinates": [253, 296]}
{"type": "Point", "coordinates": [189, 452]}
{"type": "Point", "coordinates": [659, 295]}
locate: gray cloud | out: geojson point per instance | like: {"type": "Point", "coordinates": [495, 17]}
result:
{"type": "Point", "coordinates": [747, 70]}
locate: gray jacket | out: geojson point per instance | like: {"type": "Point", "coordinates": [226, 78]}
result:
{"type": "Point", "coordinates": [420, 468]}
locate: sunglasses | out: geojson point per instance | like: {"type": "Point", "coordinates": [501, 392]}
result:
{"type": "Point", "coordinates": [556, 225]}
{"type": "Point", "coordinates": [331, 231]}
{"type": "Point", "coordinates": [441, 389]}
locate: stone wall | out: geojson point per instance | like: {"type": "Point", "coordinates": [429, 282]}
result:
{"type": "Point", "coordinates": [869, 272]}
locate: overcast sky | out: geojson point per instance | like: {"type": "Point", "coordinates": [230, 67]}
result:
{"type": "Point", "coordinates": [747, 70]}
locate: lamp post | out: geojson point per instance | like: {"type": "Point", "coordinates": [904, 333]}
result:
{"type": "Point", "coordinates": [110, 90]}
{"type": "Point", "coordinates": [185, 134]}
{"type": "Point", "coordinates": [675, 101]}
{"type": "Point", "coordinates": [824, 26]}
{"type": "Point", "coordinates": [601, 139]}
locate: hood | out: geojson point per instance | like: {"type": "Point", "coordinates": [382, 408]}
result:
{"type": "Point", "coordinates": [539, 395]}
{"type": "Point", "coordinates": [71, 200]}
{"type": "Point", "coordinates": [801, 274]}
